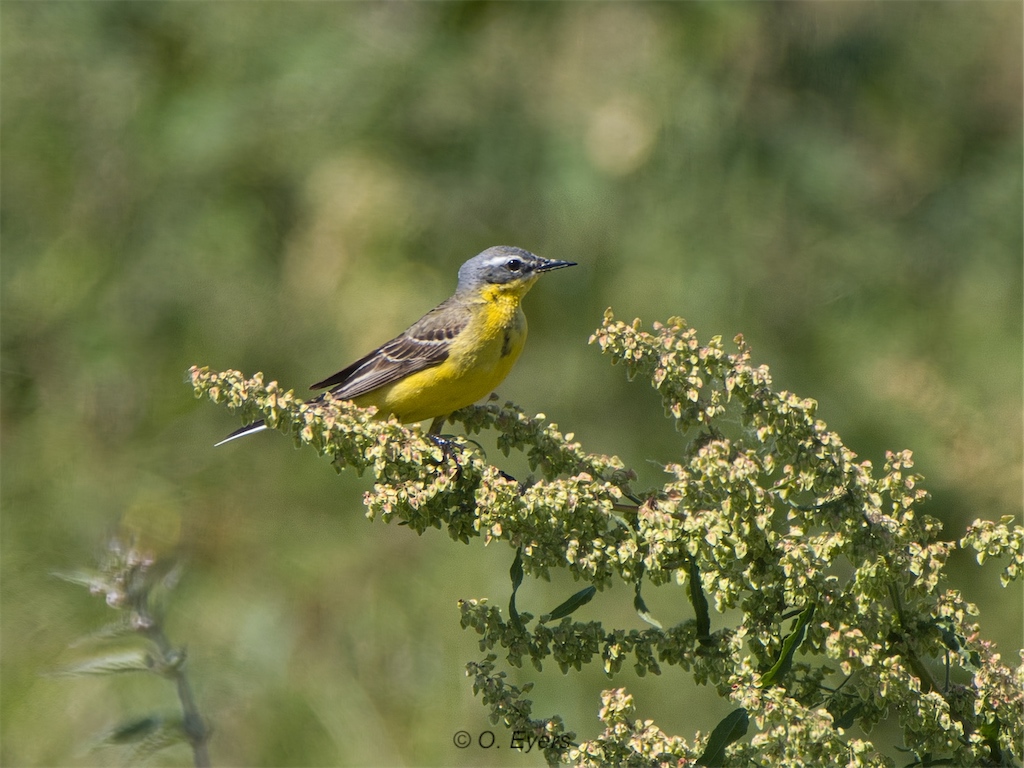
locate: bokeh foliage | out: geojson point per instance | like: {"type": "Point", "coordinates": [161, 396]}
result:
{"type": "Point", "coordinates": [245, 185]}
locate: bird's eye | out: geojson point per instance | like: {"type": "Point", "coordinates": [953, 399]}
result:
{"type": "Point", "coordinates": [514, 265]}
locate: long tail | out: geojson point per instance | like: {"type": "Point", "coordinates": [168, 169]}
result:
{"type": "Point", "coordinates": [256, 426]}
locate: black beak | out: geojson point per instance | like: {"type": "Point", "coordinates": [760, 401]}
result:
{"type": "Point", "coordinates": [546, 265]}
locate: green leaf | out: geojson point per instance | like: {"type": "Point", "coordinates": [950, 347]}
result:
{"type": "Point", "coordinates": [641, 608]}
{"type": "Point", "coordinates": [516, 573]}
{"type": "Point", "coordinates": [700, 604]}
{"type": "Point", "coordinates": [110, 631]}
{"type": "Point", "coordinates": [989, 730]}
{"type": "Point", "coordinates": [789, 647]}
{"type": "Point", "coordinates": [146, 736]}
{"type": "Point", "coordinates": [87, 579]}
{"type": "Point", "coordinates": [126, 661]}
{"type": "Point", "coordinates": [848, 718]}
{"type": "Point", "coordinates": [134, 730]}
{"type": "Point", "coordinates": [578, 600]}
{"type": "Point", "coordinates": [731, 728]}
{"type": "Point", "coordinates": [949, 636]}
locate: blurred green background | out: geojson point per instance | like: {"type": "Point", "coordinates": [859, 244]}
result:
{"type": "Point", "coordinates": [281, 186]}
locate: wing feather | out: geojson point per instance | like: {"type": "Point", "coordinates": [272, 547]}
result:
{"type": "Point", "coordinates": [424, 344]}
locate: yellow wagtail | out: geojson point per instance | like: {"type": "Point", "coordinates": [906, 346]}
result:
{"type": "Point", "coordinates": [455, 354]}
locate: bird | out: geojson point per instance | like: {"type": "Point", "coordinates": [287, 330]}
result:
{"type": "Point", "coordinates": [451, 357]}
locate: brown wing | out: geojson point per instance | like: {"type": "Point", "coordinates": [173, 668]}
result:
{"type": "Point", "coordinates": [424, 344]}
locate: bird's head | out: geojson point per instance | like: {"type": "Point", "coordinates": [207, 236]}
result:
{"type": "Point", "coordinates": [504, 266]}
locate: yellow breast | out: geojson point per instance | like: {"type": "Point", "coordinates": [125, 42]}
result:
{"type": "Point", "coordinates": [480, 358]}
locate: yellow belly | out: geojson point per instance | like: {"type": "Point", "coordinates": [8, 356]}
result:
{"type": "Point", "coordinates": [480, 358]}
